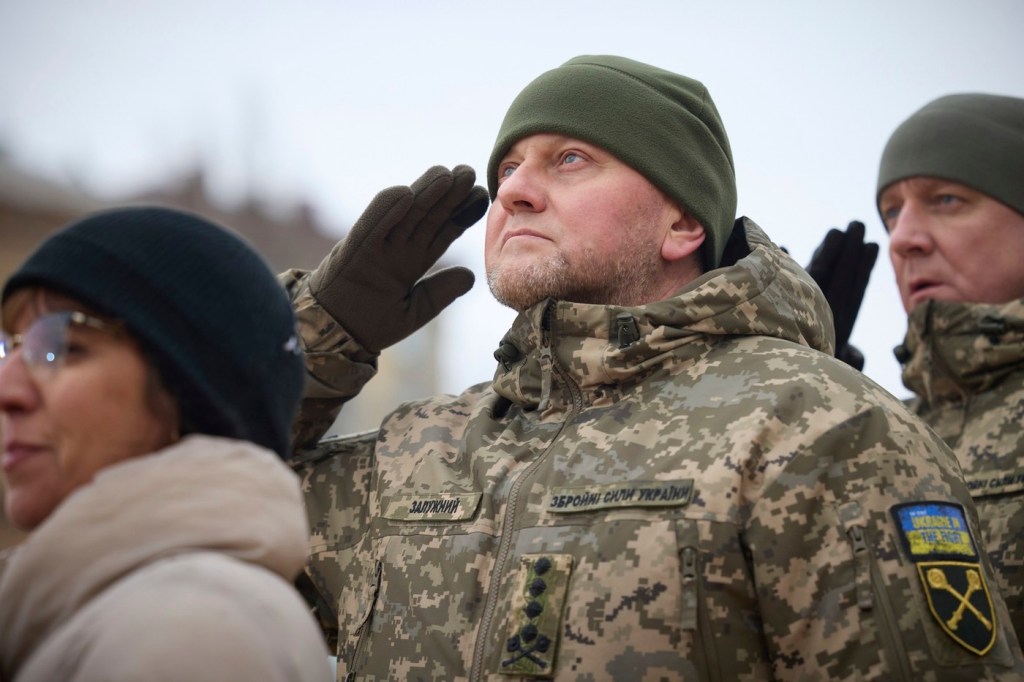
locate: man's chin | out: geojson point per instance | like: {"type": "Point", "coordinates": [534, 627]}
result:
{"type": "Point", "coordinates": [522, 288]}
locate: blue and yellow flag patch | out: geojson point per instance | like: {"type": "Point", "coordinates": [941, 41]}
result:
{"type": "Point", "coordinates": [938, 540]}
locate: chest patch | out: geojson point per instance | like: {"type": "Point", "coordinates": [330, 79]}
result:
{"type": "Point", "coordinates": [436, 507]}
{"type": "Point", "coordinates": [535, 620]}
{"type": "Point", "coordinates": [938, 540]}
{"type": "Point", "coordinates": [616, 495]}
{"type": "Point", "coordinates": [998, 483]}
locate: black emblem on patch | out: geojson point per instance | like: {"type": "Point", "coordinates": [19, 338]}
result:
{"type": "Point", "coordinates": [535, 621]}
{"type": "Point", "coordinates": [958, 598]}
{"type": "Point", "coordinates": [938, 540]}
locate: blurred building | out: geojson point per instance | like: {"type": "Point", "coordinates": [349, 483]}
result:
{"type": "Point", "coordinates": [32, 207]}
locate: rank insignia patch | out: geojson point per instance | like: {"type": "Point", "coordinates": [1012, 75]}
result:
{"type": "Point", "coordinates": [536, 619]}
{"type": "Point", "coordinates": [939, 541]}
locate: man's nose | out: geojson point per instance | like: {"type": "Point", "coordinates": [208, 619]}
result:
{"type": "Point", "coordinates": [522, 190]}
{"type": "Point", "coordinates": [909, 232]}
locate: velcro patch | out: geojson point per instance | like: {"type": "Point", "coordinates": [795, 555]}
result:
{"type": "Point", "coordinates": [939, 541]}
{"type": "Point", "coordinates": [958, 597]}
{"type": "Point", "coordinates": [535, 619]}
{"type": "Point", "coordinates": [436, 507]}
{"type": "Point", "coordinates": [614, 495]}
{"type": "Point", "coordinates": [998, 483]}
{"type": "Point", "coordinates": [934, 530]}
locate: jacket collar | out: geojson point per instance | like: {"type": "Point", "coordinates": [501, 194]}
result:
{"type": "Point", "coordinates": [556, 346]}
{"type": "Point", "coordinates": [952, 350]}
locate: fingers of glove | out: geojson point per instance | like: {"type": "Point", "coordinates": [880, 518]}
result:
{"type": "Point", "coordinates": [472, 208]}
{"type": "Point", "coordinates": [435, 216]}
{"type": "Point", "coordinates": [848, 260]}
{"type": "Point", "coordinates": [429, 191]}
{"type": "Point", "coordinates": [845, 268]}
{"type": "Point", "coordinates": [379, 239]}
{"type": "Point", "coordinates": [824, 257]}
{"type": "Point", "coordinates": [435, 292]}
{"type": "Point", "coordinates": [847, 305]}
{"type": "Point", "coordinates": [366, 241]}
{"type": "Point", "coordinates": [855, 231]}
{"type": "Point", "coordinates": [867, 261]}
{"type": "Point", "coordinates": [432, 228]}
{"type": "Point", "coordinates": [854, 267]}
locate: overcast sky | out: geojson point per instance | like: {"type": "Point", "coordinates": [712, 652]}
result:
{"type": "Point", "coordinates": [330, 101]}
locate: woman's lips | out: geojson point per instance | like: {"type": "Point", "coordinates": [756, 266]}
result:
{"type": "Point", "coordinates": [15, 453]}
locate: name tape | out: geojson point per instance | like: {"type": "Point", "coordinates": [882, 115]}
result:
{"type": "Point", "coordinates": [615, 495]}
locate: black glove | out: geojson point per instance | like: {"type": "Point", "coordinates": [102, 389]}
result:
{"type": "Point", "coordinates": [841, 266]}
{"type": "Point", "coordinates": [372, 282]}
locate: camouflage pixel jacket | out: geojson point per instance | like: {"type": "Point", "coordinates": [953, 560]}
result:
{"type": "Point", "coordinates": [689, 490]}
{"type": "Point", "coordinates": [965, 363]}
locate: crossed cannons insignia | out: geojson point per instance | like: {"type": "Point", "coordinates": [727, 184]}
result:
{"type": "Point", "coordinates": [938, 540]}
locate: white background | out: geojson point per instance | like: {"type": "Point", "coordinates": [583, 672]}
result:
{"type": "Point", "coordinates": [330, 101]}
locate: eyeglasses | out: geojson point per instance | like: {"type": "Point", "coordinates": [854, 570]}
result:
{"type": "Point", "coordinates": [45, 344]}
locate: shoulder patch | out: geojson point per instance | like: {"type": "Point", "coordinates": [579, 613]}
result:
{"type": "Point", "coordinates": [934, 530]}
{"type": "Point", "coordinates": [938, 540]}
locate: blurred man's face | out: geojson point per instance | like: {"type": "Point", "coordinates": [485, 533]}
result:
{"type": "Point", "coordinates": [572, 222]}
{"type": "Point", "coordinates": [949, 242]}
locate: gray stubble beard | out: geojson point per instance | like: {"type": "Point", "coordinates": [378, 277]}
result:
{"type": "Point", "coordinates": [629, 281]}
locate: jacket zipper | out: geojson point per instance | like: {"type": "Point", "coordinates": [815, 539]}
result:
{"type": "Point", "coordinates": [512, 510]}
{"type": "Point", "coordinates": [887, 626]}
{"type": "Point", "coordinates": [695, 617]}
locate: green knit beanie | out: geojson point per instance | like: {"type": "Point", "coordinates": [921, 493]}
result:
{"type": "Point", "coordinates": [974, 139]}
{"type": "Point", "coordinates": [660, 123]}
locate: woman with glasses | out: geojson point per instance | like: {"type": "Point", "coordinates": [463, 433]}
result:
{"type": "Point", "coordinates": [149, 375]}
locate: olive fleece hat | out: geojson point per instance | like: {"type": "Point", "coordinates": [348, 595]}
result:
{"type": "Point", "coordinates": [974, 139]}
{"type": "Point", "coordinates": [660, 123]}
{"type": "Point", "coordinates": [204, 306]}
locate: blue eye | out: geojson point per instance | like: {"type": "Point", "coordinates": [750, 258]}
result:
{"type": "Point", "coordinates": [506, 171]}
{"type": "Point", "coordinates": [889, 216]}
{"type": "Point", "coordinates": [571, 157]}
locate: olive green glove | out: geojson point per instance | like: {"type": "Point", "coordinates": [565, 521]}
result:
{"type": "Point", "coordinates": [373, 281]}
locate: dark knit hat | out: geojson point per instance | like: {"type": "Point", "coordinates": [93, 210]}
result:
{"type": "Point", "coordinates": [203, 304]}
{"type": "Point", "coordinates": [660, 123]}
{"type": "Point", "coordinates": [974, 139]}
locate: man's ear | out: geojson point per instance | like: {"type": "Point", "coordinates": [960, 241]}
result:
{"type": "Point", "coordinates": [683, 238]}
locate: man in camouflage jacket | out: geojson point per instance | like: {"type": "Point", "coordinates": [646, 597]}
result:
{"type": "Point", "coordinates": [657, 484]}
{"type": "Point", "coordinates": [951, 195]}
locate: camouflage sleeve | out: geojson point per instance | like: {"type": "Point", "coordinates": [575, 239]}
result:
{"type": "Point", "coordinates": [337, 367]}
{"type": "Point", "coordinates": [335, 478]}
{"type": "Point", "coordinates": [865, 556]}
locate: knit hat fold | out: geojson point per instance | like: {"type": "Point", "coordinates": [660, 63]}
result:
{"type": "Point", "coordinates": [204, 305]}
{"type": "Point", "coordinates": [663, 125]}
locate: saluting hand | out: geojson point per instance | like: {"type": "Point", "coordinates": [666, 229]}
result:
{"type": "Point", "coordinates": [374, 281]}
